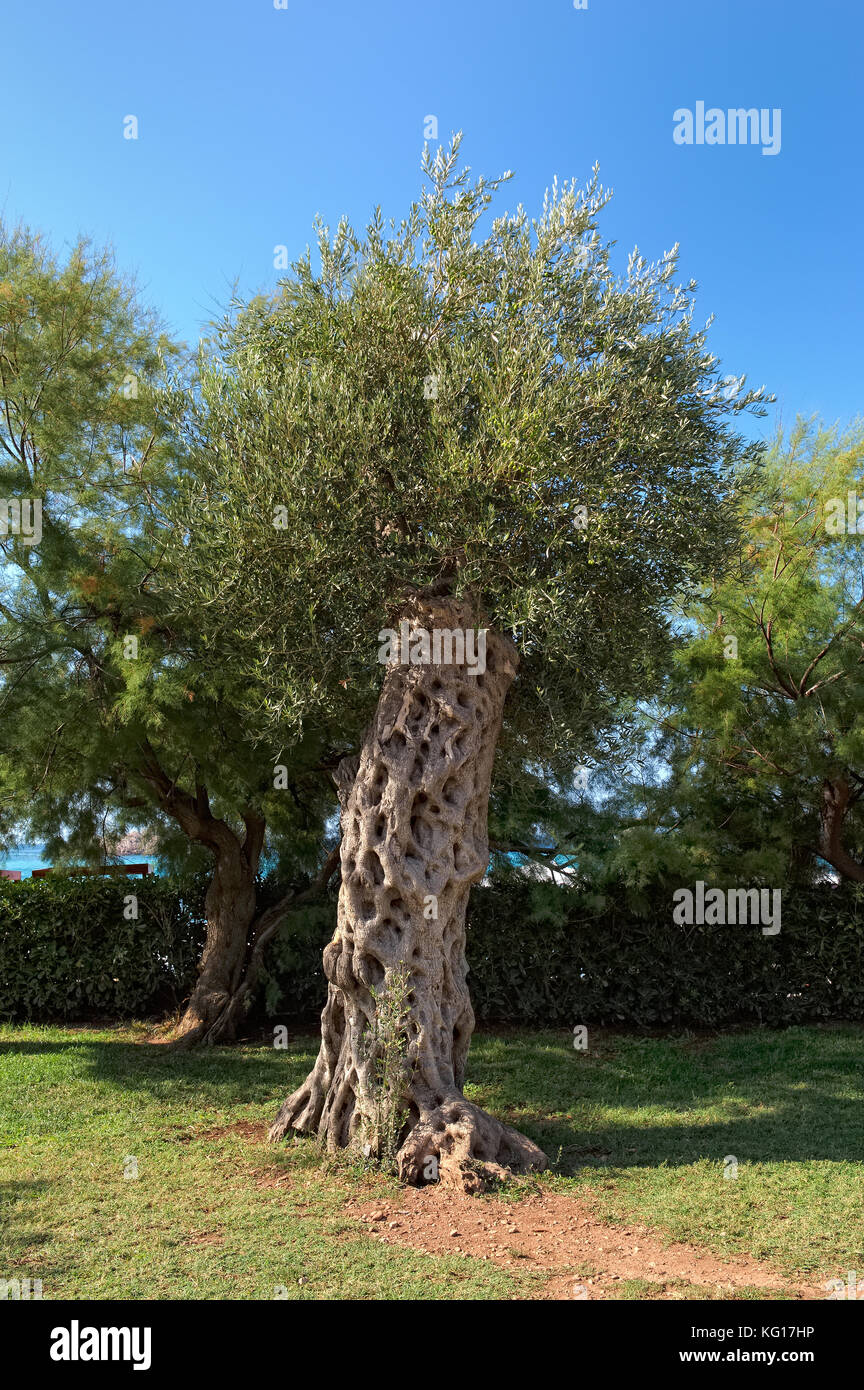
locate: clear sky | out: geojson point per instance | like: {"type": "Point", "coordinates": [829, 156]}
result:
{"type": "Point", "coordinates": [252, 119]}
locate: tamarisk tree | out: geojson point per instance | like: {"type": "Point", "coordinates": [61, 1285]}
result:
{"type": "Point", "coordinates": [760, 728]}
{"type": "Point", "coordinates": [434, 438]}
{"type": "Point", "coordinates": [111, 711]}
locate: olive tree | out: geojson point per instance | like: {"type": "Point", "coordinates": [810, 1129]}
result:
{"type": "Point", "coordinates": [444, 485]}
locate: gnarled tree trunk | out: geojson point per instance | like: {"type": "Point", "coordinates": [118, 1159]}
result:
{"type": "Point", "coordinates": [414, 839]}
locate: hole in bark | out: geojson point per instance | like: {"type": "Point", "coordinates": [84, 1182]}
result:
{"type": "Point", "coordinates": [379, 782]}
{"type": "Point", "coordinates": [436, 686]}
{"type": "Point", "coordinates": [435, 730]}
{"type": "Point", "coordinates": [380, 827]}
{"type": "Point", "coordinates": [373, 972]}
{"type": "Point", "coordinates": [397, 739]}
{"type": "Point", "coordinates": [367, 908]}
{"type": "Point", "coordinates": [480, 682]}
{"type": "Point", "coordinates": [417, 770]}
{"type": "Point", "coordinates": [418, 710]}
{"type": "Point", "coordinates": [451, 787]}
{"type": "Point", "coordinates": [421, 832]}
{"type": "Point", "coordinates": [420, 799]}
{"type": "Point", "coordinates": [397, 905]}
{"type": "Point", "coordinates": [372, 864]}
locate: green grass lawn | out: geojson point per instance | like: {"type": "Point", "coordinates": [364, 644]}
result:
{"type": "Point", "coordinates": [638, 1127]}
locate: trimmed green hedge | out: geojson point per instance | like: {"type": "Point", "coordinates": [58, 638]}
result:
{"type": "Point", "coordinates": [69, 949]}
{"type": "Point", "coordinates": [539, 956]}
{"type": "Point", "coordinates": [543, 956]}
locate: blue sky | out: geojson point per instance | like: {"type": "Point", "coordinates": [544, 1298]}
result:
{"type": "Point", "coordinates": [253, 119]}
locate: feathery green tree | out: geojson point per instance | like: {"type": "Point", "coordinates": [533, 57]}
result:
{"type": "Point", "coordinates": [759, 731]}
{"type": "Point", "coordinates": [110, 713]}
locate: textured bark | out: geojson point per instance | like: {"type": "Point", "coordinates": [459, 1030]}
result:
{"type": "Point", "coordinates": [414, 834]}
{"type": "Point", "coordinates": [223, 1008]}
{"type": "Point", "coordinates": [221, 992]}
{"type": "Point", "coordinates": [230, 909]}
{"type": "Point", "coordinates": [837, 800]}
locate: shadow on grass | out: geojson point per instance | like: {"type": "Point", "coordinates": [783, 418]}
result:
{"type": "Point", "coordinates": [15, 1198]}
{"type": "Point", "coordinates": [630, 1102]}
{"type": "Point", "coordinates": [766, 1097]}
{"type": "Point", "coordinates": [217, 1076]}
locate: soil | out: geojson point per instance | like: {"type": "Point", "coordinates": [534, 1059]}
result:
{"type": "Point", "coordinates": [553, 1234]}
{"type": "Point", "coordinates": [557, 1236]}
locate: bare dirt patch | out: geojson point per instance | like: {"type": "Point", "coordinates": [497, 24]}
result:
{"type": "Point", "coordinates": [557, 1236]}
{"type": "Point", "coordinates": [205, 1238]}
{"type": "Point", "coordinates": [244, 1129]}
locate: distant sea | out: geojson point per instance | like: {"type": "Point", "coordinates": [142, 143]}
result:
{"type": "Point", "coordinates": [30, 857]}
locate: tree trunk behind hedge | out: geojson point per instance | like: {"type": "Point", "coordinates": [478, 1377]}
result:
{"type": "Point", "coordinates": [214, 1007]}
{"type": "Point", "coordinates": [231, 956]}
